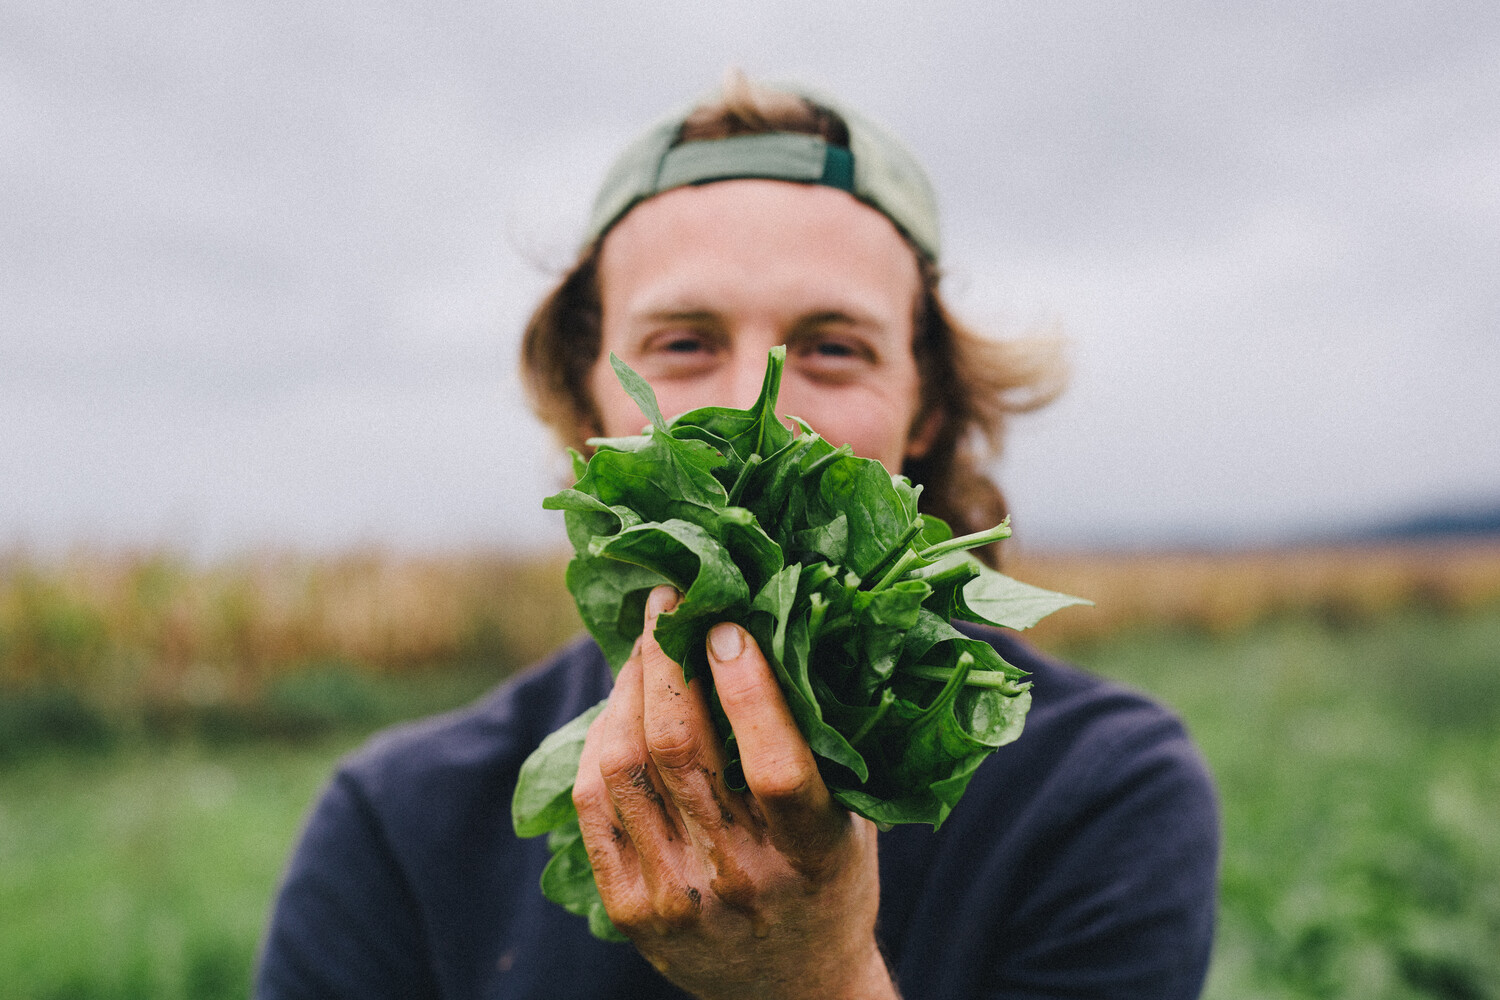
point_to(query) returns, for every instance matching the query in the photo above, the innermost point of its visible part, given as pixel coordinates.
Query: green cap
(876, 168)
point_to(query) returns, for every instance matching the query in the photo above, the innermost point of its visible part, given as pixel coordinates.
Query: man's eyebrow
(677, 314)
(852, 319)
(826, 316)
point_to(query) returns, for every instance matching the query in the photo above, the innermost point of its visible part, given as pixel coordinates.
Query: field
(163, 728)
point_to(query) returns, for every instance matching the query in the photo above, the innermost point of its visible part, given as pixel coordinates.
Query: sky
(263, 267)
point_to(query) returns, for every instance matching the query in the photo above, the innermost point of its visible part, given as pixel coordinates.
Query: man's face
(699, 283)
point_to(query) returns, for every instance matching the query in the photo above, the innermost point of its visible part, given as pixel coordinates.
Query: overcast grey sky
(263, 266)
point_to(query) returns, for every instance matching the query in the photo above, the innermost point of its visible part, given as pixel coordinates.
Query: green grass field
(145, 872)
(1360, 776)
(1359, 768)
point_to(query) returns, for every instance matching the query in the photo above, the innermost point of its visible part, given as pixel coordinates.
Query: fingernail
(726, 641)
(661, 600)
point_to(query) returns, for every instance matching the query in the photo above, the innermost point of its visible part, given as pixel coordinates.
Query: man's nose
(748, 376)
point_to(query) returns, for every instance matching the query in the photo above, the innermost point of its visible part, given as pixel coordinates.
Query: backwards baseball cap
(876, 168)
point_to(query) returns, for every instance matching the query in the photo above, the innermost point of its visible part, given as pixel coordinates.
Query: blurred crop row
(98, 643)
(1226, 592)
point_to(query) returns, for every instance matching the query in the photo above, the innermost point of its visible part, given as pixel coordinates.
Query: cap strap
(782, 156)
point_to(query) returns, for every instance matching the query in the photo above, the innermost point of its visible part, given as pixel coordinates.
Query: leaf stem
(955, 681)
(982, 678)
(971, 541)
(901, 543)
(817, 608)
(876, 716)
(818, 464)
(908, 559)
(739, 482)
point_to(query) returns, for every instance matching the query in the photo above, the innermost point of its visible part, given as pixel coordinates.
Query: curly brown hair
(971, 382)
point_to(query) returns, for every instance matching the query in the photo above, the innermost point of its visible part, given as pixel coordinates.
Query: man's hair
(972, 383)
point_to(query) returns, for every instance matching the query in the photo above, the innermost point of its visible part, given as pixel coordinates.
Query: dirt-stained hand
(768, 893)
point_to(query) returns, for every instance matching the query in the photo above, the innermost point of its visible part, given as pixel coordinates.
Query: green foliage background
(1358, 762)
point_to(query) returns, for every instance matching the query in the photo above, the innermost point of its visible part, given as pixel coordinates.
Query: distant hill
(1452, 523)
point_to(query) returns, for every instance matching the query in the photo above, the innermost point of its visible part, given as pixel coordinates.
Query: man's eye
(834, 349)
(679, 353)
(678, 342)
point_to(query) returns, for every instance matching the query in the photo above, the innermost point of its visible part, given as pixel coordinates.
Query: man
(1082, 859)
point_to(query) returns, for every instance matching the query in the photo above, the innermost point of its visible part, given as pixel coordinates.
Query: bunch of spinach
(824, 559)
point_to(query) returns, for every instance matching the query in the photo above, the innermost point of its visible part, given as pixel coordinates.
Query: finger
(780, 771)
(649, 820)
(625, 766)
(611, 854)
(681, 739)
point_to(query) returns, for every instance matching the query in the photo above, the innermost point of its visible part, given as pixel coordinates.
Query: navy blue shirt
(1082, 861)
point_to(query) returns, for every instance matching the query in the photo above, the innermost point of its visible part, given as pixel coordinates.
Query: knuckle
(783, 783)
(734, 887)
(588, 796)
(621, 764)
(674, 747)
(630, 913)
(677, 906)
(816, 862)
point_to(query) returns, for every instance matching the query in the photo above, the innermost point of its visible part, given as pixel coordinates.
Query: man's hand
(770, 893)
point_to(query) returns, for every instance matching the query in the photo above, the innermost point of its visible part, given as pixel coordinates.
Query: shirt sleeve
(345, 923)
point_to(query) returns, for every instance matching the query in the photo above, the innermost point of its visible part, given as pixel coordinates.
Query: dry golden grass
(153, 628)
(1225, 592)
(166, 630)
